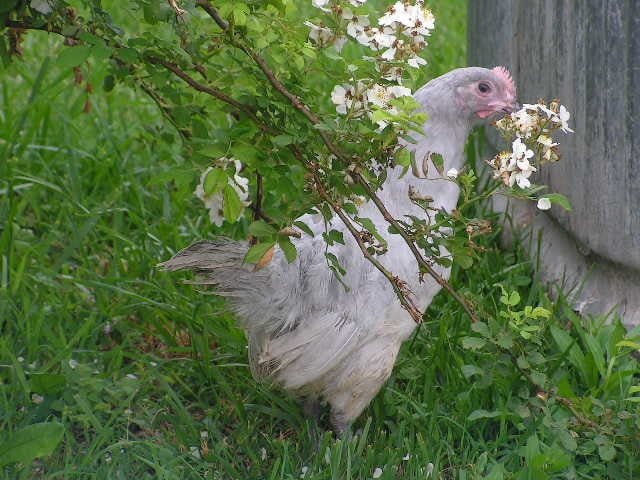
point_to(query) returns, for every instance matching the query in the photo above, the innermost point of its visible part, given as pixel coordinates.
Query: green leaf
(463, 259)
(73, 56)
(371, 228)
(438, 162)
(287, 247)
(403, 157)
(257, 251)
(505, 340)
(606, 450)
(260, 228)
(470, 370)
(33, 441)
(567, 440)
(539, 378)
(240, 13)
(561, 200)
(482, 328)
(215, 181)
(567, 344)
(473, 343)
(47, 383)
(333, 236)
(304, 227)
(478, 414)
(540, 312)
(211, 150)
(510, 299)
(232, 206)
(108, 83)
(282, 140)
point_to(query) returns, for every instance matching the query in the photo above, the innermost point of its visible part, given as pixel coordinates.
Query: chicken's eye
(484, 87)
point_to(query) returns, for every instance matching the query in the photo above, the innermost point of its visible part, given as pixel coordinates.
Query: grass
(149, 377)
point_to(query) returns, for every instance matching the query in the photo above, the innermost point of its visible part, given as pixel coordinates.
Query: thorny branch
(398, 285)
(315, 120)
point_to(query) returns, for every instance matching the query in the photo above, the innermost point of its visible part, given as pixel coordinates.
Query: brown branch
(412, 246)
(213, 13)
(184, 133)
(46, 27)
(399, 286)
(214, 92)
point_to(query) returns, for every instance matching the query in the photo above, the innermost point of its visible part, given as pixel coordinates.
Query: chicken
(309, 334)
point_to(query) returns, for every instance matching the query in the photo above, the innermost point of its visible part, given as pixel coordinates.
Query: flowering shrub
(294, 108)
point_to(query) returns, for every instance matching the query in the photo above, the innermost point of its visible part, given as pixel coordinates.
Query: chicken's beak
(513, 107)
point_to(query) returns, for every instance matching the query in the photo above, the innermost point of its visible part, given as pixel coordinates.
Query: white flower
(263, 454)
(520, 150)
(524, 122)
(406, 457)
(215, 202)
(564, 119)
(521, 178)
(320, 4)
(342, 96)
(414, 19)
(546, 141)
(339, 42)
(383, 38)
(452, 173)
(304, 471)
(356, 24)
(398, 91)
(357, 3)
(378, 95)
(544, 203)
(349, 98)
(389, 54)
(377, 473)
(37, 399)
(73, 364)
(320, 35)
(131, 376)
(416, 61)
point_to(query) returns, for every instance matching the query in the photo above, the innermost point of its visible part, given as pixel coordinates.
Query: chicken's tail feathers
(206, 256)
(220, 263)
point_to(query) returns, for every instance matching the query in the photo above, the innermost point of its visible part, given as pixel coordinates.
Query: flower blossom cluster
(214, 201)
(399, 36)
(359, 98)
(531, 128)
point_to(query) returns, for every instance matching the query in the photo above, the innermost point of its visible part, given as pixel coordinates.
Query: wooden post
(587, 53)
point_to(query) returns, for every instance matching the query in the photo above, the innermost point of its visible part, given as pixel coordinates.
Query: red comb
(505, 76)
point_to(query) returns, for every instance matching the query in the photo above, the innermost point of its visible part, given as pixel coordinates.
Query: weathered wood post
(587, 53)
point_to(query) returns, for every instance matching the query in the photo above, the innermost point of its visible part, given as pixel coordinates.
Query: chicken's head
(481, 93)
